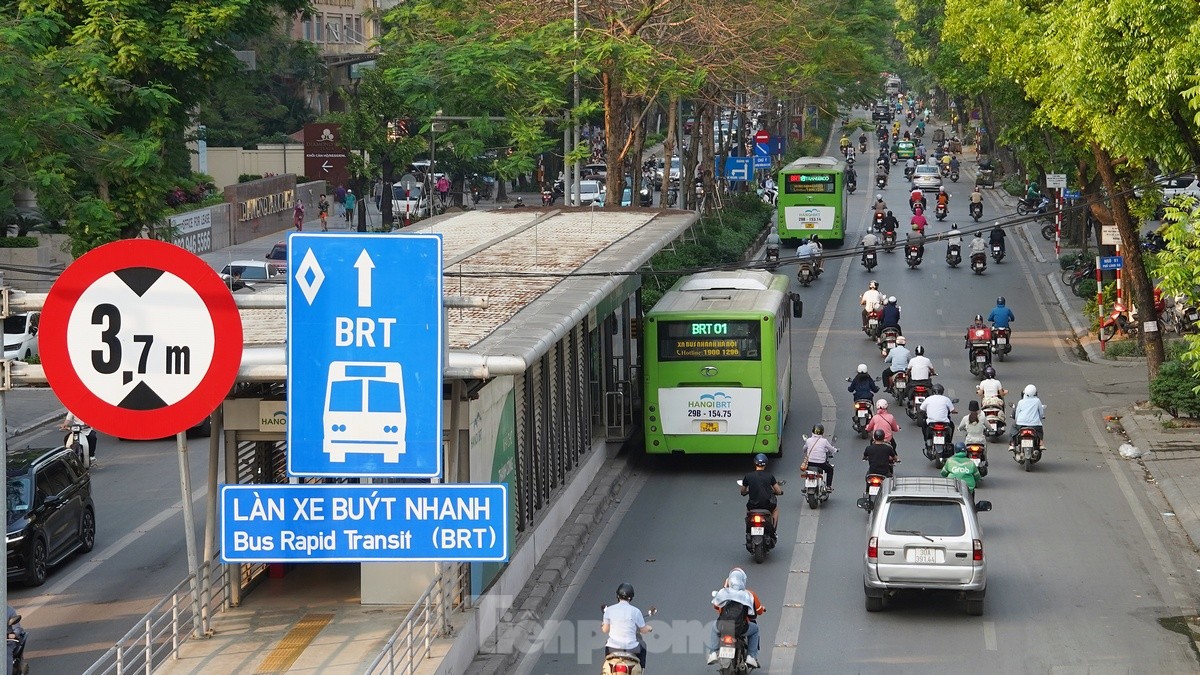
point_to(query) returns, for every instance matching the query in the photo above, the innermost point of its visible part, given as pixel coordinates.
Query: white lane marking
(989, 635)
(567, 600)
(94, 560)
(783, 649)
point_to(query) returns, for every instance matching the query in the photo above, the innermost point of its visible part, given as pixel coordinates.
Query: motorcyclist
(871, 300)
(624, 624)
(862, 139)
(816, 243)
(1001, 316)
(883, 422)
(960, 467)
(954, 237)
(919, 221)
(735, 603)
(773, 242)
(890, 223)
(869, 241)
(819, 452)
(844, 143)
(937, 408)
(943, 198)
(978, 245)
(991, 392)
(808, 252)
(896, 361)
(916, 198)
(977, 324)
(86, 432)
(977, 198)
(954, 165)
(761, 489)
(910, 166)
(881, 171)
(880, 205)
(851, 175)
(915, 239)
(880, 455)
(862, 385)
(1032, 194)
(1029, 413)
(920, 368)
(972, 425)
(889, 316)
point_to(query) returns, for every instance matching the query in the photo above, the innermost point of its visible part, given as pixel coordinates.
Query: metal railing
(428, 620)
(158, 635)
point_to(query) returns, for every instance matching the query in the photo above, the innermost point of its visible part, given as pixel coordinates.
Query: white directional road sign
(140, 339)
(365, 355)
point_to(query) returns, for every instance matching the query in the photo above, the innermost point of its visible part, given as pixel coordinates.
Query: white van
(20, 335)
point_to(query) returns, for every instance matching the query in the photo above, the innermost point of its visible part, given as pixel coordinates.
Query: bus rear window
(708, 340)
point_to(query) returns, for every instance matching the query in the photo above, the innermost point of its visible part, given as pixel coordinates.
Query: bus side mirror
(797, 306)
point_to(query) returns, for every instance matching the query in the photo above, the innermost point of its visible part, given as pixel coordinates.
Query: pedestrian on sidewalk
(323, 212)
(351, 201)
(339, 198)
(298, 215)
(378, 194)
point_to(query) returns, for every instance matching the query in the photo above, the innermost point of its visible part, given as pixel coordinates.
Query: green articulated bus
(718, 364)
(812, 200)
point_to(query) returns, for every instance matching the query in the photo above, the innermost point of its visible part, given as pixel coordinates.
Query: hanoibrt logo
(809, 216)
(715, 401)
(279, 419)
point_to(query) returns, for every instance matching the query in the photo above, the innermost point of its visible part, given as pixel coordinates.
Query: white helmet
(1030, 390)
(862, 368)
(891, 299)
(901, 340)
(879, 197)
(881, 404)
(874, 285)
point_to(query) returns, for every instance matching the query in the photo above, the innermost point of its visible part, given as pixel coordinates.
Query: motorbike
(953, 255)
(979, 350)
(919, 392)
(770, 195)
(953, 175)
(862, 145)
(17, 636)
(887, 339)
(880, 181)
(977, 453)
(997, 253)
(976, 209)
(851, 185)
(673, 193)
(978, 262)
(1001, 341)
(889, 241)
(862, 414)
(869, 260)
(805, 274)
(872, 328)
(944, 169)
(772, 257)
(622, 662)
(815, 489)
(547, 197)
(871, 491)
(895, 158)
(912, 205)
(80, 443)
(1027, 451)
(909, 171)
(877, 222)
(1039, 205)
(732, 650)
(1118, 321)
(993, 418)
(940, 211)
(899, 385)
(645, 196)
(937, 448)
(912, 255)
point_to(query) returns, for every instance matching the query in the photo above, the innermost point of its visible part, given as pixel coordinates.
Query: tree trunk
(1134, 269)
(614, 116)
(668, 150)
(687, 174)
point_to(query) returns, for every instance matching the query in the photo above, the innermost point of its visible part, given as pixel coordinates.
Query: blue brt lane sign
(364, 523)
(366, 350)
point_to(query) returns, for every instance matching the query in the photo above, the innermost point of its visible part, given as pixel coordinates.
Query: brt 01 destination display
(708, 339)
(807, 183)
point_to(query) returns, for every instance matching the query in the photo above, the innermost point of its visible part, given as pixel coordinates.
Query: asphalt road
(1081, 566)
(90, 601)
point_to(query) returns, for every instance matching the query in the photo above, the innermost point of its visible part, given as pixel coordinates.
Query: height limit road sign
(140, 339)
(365, 355)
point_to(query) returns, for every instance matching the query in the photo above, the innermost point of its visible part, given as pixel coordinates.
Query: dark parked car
(50, 511)
(278, 256)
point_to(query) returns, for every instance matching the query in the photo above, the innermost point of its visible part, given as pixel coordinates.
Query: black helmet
(939, 389)
(818, 429)
(625, 592)
(989, 372)
(978, 318)
(878, 434)
(920, 350)
(1000, 301)
(760, 460)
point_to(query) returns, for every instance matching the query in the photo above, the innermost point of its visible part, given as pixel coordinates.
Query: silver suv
(924, 535)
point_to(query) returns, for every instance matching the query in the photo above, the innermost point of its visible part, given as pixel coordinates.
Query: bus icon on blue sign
(364, 410)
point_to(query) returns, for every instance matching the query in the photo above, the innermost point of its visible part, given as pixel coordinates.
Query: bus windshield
(708, 339)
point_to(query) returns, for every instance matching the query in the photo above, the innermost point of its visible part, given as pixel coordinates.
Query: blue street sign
(1111, 262)
(1070, 194)
(737, 168)
(762, 162)
(762, 149)
(365, 355)
(364, 523)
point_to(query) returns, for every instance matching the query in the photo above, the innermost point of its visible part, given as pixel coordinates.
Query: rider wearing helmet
(1030, 412)
(816, 242)
(895, 361)
(880, 455)
(1001, 315)
(920, 368)
(883, 422)
(890, 223)
(880, 205)
(871, 301)
(819, 452)
(624, 624)
(991, 392)
(976, 196)
(954, 237)
(960, 467)
(938, 408)
(977, 331)
(996, 236)
(943, 197)
(862, 385)
(889, 316)
(761, 489)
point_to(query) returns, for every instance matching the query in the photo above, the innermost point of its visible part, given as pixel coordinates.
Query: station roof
(504, 254)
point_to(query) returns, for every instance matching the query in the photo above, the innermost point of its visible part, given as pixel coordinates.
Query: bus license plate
(710, 427)
(922, 555)
(755, 531)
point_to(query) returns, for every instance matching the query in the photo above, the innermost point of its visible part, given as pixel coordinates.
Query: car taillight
(873, 548)
(978, 546)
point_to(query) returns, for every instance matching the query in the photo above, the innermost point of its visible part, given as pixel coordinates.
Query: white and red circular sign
(140, 339)
(762, 137)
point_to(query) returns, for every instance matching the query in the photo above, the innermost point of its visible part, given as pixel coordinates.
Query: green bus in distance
(812, 200)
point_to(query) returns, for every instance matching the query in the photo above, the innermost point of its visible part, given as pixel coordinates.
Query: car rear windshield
(246, 272)
(930, 517)
(279, 252)
(14, 324)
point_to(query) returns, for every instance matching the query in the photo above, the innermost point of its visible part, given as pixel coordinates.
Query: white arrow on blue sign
(364, 523)
(366, 350)
(737, 168)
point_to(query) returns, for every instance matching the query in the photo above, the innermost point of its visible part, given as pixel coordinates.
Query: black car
(882, 112)
(50, 511)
